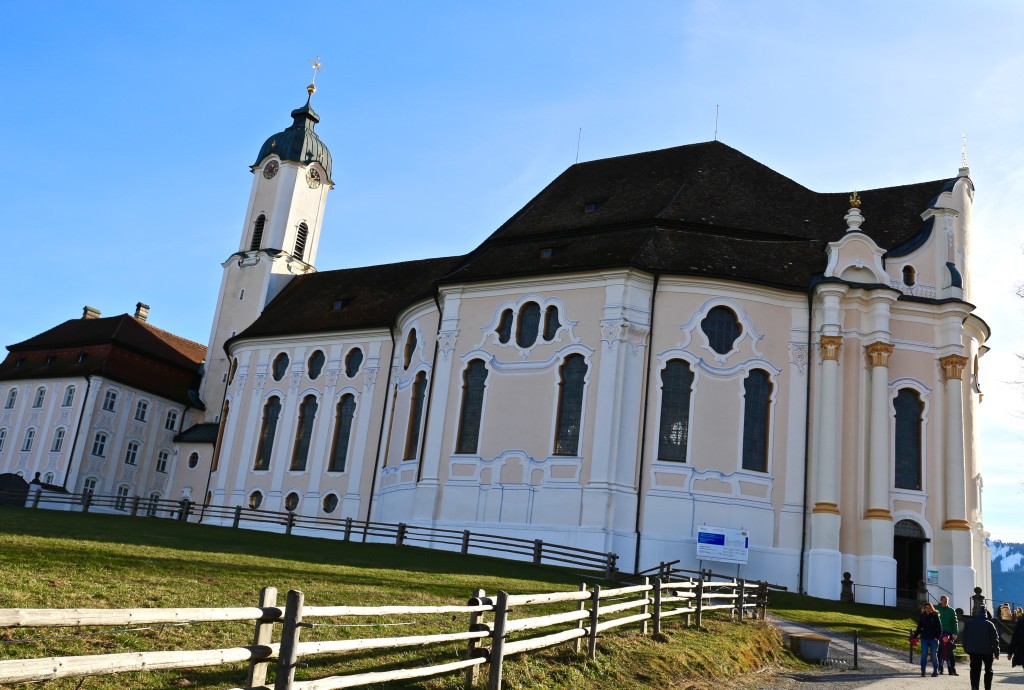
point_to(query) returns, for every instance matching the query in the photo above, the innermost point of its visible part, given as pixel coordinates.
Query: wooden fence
(492, 634)
(348, 529)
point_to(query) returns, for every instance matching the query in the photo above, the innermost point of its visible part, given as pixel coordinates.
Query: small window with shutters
(301, 235)
(257, 233)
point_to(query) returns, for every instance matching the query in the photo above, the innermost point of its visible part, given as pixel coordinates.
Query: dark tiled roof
(118, 347)
(298, 142)
(198, 433)
(371, 297)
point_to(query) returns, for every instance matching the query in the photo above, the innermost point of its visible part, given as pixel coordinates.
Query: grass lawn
(52, 559)
(889, 627)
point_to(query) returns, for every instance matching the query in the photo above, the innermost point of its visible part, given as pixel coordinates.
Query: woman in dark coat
(929, 629)
(1016, 654)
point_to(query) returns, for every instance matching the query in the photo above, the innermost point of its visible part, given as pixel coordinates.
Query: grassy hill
(64, 560)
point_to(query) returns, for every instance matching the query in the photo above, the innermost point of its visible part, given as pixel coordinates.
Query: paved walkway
(880, 669)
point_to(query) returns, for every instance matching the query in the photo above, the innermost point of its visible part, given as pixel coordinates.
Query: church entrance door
(908, 550)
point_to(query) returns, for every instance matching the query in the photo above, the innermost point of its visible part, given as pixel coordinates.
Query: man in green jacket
(947, 616)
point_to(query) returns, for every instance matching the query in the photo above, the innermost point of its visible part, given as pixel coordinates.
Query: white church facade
(654, 343)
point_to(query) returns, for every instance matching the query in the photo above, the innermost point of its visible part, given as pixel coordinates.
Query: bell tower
(291, 178)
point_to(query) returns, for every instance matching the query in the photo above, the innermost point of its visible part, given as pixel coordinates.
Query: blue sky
(129, 129)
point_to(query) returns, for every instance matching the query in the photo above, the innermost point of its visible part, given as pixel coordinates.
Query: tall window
(505, 326)
(301, 235)
(69, 396)
(141, 411)
(909, 413)
(161, 461)
(110, 401)
(99, 445)
(30, 438)
(271, 411)
(551, 322)
(353, 360)
(412, 438)
(131, 455)
(570, 405)
(89, 487)
(215, 462)
(154, 499)
(58, 440)
(473, 380)
(171, 423)
(40, 396)
(757, 393)
(410, 348)
(257, 233)
(315, 364)
(676, 388)
(3, 439)
(722, 329)
(12, 397)
(280, 366)
(342, 433)
(304, 432)
(122, 497)
(529, 322)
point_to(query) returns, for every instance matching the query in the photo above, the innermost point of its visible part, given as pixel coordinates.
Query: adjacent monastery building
(653, 343)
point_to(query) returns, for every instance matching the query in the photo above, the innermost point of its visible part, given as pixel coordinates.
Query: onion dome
(299, 142)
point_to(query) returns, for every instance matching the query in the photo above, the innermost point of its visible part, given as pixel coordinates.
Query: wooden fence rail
(593, 611)
(349, 529)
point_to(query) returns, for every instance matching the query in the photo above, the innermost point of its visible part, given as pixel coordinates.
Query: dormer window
(300, 242)
(590, 207)
(257, 233)
(909, 276)
(338, 304)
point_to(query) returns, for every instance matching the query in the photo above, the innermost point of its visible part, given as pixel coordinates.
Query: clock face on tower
(313, 178)
(271, 169)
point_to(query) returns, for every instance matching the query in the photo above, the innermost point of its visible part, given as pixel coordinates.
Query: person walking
(981, 642)
(929, 629)
(950, 630)
(1016, 651)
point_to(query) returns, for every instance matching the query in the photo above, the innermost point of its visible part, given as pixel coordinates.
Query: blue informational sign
(723, 544)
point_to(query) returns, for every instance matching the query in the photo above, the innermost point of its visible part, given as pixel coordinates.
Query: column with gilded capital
(954, 555)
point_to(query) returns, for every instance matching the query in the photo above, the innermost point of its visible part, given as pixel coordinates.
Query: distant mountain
(1007, 573)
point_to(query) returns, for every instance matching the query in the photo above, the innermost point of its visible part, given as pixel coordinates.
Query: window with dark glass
(342, 432)
(122, 497)
(271, 411)
(257, 233)
(291, 501)
(473, 380)
(527, 325)
(330, 503)
(909, 275)
(69, 396)
(255, 500)
(410, 348)
(674, 433)
(280, 366)
(301, 235)
(551, 323)
(315, 364)
(412, 438)
(30, 437)
(193, 460)
(505, 326)
(131, 455)
(141, 411)
(12, 397)
(40, 396)
(110, 401)
(99, 445)
(570, 405)
(353, 360)
(58, 440)
(722, 329)
(757, 393)
(304, 432)
(909, 414)
(223, 419)
(161, 461)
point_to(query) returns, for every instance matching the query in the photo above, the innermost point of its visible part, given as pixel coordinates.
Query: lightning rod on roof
(578, 137)
(963, 150)
(716, 122)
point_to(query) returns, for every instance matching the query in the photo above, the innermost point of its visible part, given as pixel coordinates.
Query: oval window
(280, 367)
(255, 500)
(291, 502)
(315, 364)
(193, 460)
(330, 503)
(529, 322)
(909, 276)
(353, 361)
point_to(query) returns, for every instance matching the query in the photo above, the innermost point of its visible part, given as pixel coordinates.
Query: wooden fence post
(86, 502)
(263, 636)
(290, 523)
(609, 567)
(348, 528)
(595, 603)
(400, 534)
(135, 506)
(764, 599)
(288, 655)
(739, 600)
(35, 497)
(475, 618)
(578, 644)
(465, 542)
(657, 606)
(497, 655)
(238, 517)
(644, 608)
(538, 551)
(700, 598)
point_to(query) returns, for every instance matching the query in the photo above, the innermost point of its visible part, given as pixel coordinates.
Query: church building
(654, 343)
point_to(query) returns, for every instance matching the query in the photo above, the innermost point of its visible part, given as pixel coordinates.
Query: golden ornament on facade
(878, 354)
(855, 200)
(830, 345)
(953, 367)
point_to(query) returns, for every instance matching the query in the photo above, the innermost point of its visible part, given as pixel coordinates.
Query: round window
(193, 460)
(291, 502)
(255, 500)
(330, 503)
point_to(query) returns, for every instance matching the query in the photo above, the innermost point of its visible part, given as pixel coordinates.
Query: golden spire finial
(854, 200)
(317, 67)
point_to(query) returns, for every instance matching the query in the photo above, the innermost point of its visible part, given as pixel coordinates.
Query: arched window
(342, 433)
(280, 366)
(40, 396)
(257, 232)
(141, 411)
(224, 410)
(909, 414)
(171, 422)
(48, 478)
(410, 348)
(89, 487)
(570, 405)
(505, 326)
(99, 445)
(529, 322)
(110, 401)
(315, 364)
(473, 380)
(291, 501)
(58, 440)
(271, 411)
(909, 275)
(301, 235)
(161, 461)
(551, 323)
(131, 456)
(3, 439)
(330, 503)
(255, 500)
(412, 437)
(122, 497)
(676, 388)
(722, 329)
(303, 433)
(353, 360)
(30, 438)
(757, 394)
(69, 396)
(12, 397)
